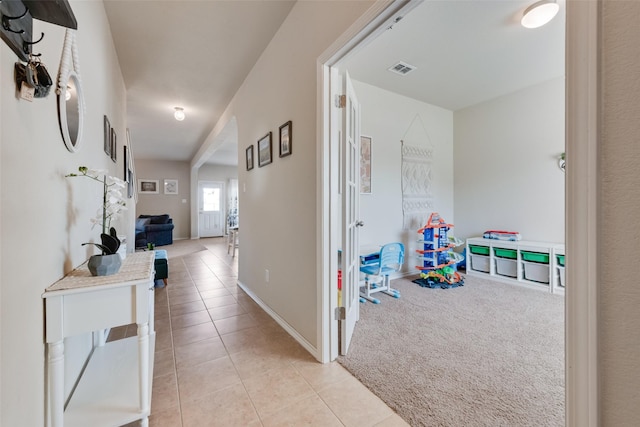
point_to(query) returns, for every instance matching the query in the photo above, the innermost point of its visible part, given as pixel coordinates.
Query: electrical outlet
(266, 276)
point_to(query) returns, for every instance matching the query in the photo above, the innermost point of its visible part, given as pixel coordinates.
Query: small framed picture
(249, 155)
(264, 150)
(148, 186)
(170, 186)
(285, 139)
(125, 161)
(365, 165)
(130, 184)
(114, 146)
(107, 136)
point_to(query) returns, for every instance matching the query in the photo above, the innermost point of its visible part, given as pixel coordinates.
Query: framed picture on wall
(264, 150)
(132, 167)
(365, 165)
(148, 186)
(114, 146)
(107, 136)
(125, 158)
(130, 192)
(170, 186)
(249, 155)
(285, 139)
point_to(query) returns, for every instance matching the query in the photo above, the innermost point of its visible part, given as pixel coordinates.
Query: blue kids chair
(376, 277)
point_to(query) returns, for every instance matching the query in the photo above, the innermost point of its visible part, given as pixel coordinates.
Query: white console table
(115, 387)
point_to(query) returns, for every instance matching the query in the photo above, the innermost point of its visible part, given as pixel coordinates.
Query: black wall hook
(26, 45)
(17, 21)
(6, 21)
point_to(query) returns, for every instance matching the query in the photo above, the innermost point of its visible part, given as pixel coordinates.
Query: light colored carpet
(484, 354)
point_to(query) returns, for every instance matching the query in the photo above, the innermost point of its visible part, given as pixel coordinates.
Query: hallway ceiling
(190, 54)
(196, 54)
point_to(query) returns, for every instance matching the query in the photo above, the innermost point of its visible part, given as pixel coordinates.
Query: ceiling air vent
(402, 68)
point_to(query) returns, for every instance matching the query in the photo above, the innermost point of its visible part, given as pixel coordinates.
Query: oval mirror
(70, 99)
(70, 111)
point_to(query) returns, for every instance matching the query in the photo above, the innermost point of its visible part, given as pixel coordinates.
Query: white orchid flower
(112, 180)
(112, 196)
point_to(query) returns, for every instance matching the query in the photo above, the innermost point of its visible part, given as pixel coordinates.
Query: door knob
(359, 223)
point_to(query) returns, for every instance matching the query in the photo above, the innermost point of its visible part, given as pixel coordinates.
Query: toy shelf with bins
(532, 264)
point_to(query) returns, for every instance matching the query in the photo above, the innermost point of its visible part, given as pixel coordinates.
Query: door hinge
(341, 101)
(341, 313)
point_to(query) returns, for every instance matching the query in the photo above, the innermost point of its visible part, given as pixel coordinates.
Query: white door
(350, 214)
(211, 209)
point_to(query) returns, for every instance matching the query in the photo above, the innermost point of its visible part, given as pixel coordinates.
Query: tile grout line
(173, 348)
(226, 349)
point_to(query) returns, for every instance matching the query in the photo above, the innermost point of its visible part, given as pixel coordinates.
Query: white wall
(389, 118)
(176, 205)
(44, 216)
(618, 225)
(506, 169)
(279, 209)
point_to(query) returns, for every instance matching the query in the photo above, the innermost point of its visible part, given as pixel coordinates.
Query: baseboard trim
(287, 327)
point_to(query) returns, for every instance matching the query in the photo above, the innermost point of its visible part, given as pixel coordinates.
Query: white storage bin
(506, 267)
(480, 262)
(561, 275)
(536, 271)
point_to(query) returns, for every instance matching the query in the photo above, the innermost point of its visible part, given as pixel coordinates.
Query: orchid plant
(113, 203)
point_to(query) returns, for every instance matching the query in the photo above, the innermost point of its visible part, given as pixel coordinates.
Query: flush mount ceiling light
(179, 114)
(540, 13)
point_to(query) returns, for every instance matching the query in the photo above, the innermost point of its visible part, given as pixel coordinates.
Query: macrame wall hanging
(417, 156)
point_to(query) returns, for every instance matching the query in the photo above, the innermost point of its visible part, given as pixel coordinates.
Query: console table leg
(143, 364)
(56, 383)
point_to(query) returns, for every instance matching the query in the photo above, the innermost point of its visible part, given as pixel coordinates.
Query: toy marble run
(437, 256)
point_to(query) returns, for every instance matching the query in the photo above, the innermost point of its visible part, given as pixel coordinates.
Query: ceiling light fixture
(179, 114)
(539, 13)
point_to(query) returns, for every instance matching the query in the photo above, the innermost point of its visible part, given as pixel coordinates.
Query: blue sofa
(156, 229)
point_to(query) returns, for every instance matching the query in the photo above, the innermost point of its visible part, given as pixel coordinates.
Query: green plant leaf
(104, 249)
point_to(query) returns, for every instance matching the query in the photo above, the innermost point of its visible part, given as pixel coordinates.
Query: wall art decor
(170, 186)
(249, 155)
(132, 167)
(148, 186)
(114, 145)
(285, 139)
(365, 165)
(128, 175)
(107, 136)
(264, 150)
(417, 197)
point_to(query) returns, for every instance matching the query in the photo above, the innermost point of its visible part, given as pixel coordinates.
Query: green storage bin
(535, 257)
(479, 250)
(506, 253)
(560, 260)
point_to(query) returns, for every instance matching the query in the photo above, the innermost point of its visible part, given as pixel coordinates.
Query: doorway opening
(581, 63)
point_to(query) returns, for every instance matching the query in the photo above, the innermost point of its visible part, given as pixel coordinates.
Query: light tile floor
(220, 360)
